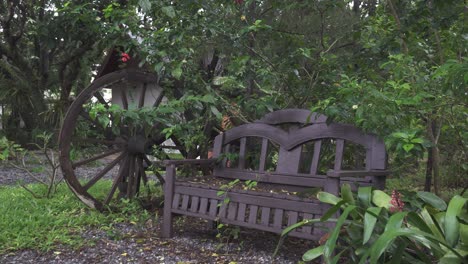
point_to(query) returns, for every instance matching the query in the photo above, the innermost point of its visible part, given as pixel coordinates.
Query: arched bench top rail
(301, 116)
(295, 138)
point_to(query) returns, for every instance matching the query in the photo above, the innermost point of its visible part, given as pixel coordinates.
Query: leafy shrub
(417, 227)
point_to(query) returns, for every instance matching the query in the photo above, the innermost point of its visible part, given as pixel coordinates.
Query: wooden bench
(289, 151)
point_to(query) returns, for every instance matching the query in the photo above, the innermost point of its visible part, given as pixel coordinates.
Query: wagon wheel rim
(127, 152)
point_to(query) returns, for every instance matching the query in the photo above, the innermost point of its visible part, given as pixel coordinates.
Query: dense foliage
(377, 228)
(397, 68)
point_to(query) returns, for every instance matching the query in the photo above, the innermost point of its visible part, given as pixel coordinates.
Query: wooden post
(168, 197)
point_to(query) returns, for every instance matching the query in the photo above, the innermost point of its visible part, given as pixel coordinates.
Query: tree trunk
(433, 130)
(428, 182)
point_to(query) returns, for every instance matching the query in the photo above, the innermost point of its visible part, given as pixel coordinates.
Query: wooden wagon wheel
(123, 152)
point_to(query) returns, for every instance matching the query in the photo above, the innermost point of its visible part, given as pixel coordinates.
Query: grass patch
(43, 224)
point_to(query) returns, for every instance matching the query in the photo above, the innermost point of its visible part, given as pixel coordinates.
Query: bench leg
(166, 231)
(168, 197)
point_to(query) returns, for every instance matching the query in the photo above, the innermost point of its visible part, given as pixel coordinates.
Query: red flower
(124, 57)
(397, 203)
(239, 2)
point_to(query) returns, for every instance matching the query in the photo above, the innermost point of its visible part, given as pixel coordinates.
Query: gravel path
(193, 242)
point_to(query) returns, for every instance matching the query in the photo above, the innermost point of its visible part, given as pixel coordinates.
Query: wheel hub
(139, 145)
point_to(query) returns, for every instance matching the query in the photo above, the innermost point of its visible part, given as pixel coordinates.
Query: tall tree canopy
(394, 67)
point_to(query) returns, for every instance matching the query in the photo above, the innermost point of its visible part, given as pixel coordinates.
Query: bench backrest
(296, 147)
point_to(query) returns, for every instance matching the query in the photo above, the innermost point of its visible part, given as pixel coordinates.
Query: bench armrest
(357, 173)
(189, 162)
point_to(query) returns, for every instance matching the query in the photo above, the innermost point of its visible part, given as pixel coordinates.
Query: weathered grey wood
(222, 210)
(263, 155)
(278, 210)
(314, 236)
(316, 157)
(292, 217)
(339, 154)
(288, 161)
(232, 209)
(276, 201)
(194, 204)
(176, 201)
(185, 201)
(242, 150)
(278, 218)
(213, 207)
(203, 205)
(241, 212)
(265, 218)
(307, 228)
(168, 195)
(302, 180)
(253, 214)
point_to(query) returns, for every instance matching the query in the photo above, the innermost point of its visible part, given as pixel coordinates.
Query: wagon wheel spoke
(101, 99)
(158, 175)
(103, 172)
(97, 157)
(117, 180)
(123, 93)
(159, 99)
(143, 176)
(141, 101)
(131, 176)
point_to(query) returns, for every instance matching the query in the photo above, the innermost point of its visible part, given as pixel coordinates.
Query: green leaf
(364, 196)
(432, 200)
(370, 218)
(408, 147)
(381, 199)
(219, 80)
(452, 226)
(417, 140)
(347, 194)
(330, 245)
(145, 5)
(395, 221)
(332, 211)
(328, 198)
(313, 253)
(417, 221)
(177, 72)
(216, 112)
(169, 11)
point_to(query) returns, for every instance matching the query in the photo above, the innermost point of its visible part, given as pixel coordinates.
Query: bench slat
(316, 157)
(265, 219)
(213, 207)
(263, 154)
(185, 200)
(232, 209)
(203, 206)
(194, 204)
(241, 212)
(288, 161)
(301, 180)
(275, 201)
(222, 210)
(242, 151)
(292, 217)
(307, 228)
(339, 154)
(278, 218)
(253, 214)
(176, 201)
